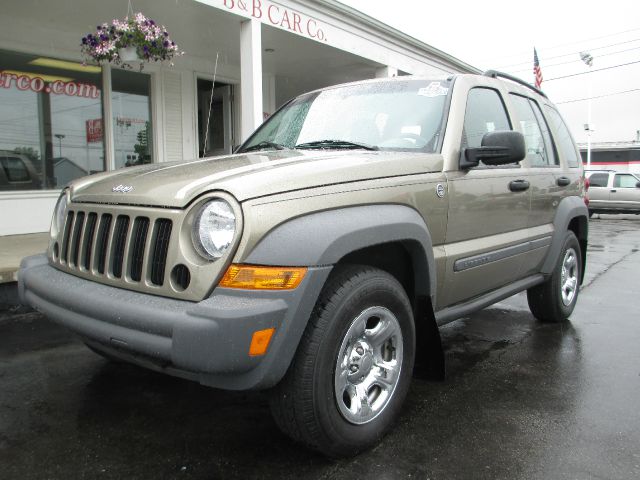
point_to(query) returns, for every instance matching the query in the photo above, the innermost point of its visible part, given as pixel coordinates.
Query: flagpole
(587, 58)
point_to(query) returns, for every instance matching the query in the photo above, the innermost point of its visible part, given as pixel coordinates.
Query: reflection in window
(47, 107)
(536, 134)
(485, 113)
(564, 141)
(131, 118)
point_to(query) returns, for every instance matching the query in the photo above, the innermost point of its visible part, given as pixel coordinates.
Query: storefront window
(131, 118)
(51, 127)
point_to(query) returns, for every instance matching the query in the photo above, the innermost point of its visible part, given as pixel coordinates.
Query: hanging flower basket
(134, 39)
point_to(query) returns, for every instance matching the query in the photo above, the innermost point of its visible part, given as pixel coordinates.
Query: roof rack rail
(496, 74)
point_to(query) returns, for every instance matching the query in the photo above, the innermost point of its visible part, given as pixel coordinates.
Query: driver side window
(484, 113)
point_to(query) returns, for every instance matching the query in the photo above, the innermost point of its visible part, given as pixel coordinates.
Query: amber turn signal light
(260, 342)
(251, 277)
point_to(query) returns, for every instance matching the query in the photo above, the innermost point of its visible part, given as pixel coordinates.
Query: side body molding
(324, 238)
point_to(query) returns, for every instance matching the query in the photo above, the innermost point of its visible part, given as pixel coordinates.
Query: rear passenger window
(14, 169)
(485, 113)
(598, 180)
(535, 131)
(563, 137)
(625, 181)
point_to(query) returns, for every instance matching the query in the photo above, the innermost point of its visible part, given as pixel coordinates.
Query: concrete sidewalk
(14, 248)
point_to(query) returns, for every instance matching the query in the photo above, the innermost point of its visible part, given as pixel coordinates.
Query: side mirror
(498, 148)
(638, 185)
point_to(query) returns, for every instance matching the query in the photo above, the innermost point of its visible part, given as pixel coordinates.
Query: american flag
(537, 72)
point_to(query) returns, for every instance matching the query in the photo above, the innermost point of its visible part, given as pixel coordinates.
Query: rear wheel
(555, 299)
(352, 369)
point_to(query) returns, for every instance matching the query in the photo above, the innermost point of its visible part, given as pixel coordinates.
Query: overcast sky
(497, 34)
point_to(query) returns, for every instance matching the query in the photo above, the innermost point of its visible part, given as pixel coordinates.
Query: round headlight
(59, 212)
(214, 229)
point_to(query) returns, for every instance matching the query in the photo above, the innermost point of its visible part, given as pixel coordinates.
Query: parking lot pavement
(522, 400)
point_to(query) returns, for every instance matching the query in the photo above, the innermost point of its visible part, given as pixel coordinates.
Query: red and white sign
(279, 16)
(94, 130)
(34, 83)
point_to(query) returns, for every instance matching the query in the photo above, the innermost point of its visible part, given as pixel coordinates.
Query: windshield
(404, 115)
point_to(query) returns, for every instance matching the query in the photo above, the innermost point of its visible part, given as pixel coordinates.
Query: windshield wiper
(265, 146)
(336, 144)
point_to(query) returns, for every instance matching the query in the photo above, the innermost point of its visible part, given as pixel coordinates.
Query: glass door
(214, 119)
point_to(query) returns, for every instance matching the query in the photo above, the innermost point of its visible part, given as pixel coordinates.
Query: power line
(554, 47)
(596, 70)
(549, 65)
(574, 53)
(599, 96)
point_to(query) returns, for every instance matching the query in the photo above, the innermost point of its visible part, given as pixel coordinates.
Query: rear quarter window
(563, 138)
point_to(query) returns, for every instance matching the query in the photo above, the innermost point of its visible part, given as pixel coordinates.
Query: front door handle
(563, 181)
(518, 185)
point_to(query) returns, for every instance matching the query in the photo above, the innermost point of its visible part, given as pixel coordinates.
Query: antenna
(213, 85)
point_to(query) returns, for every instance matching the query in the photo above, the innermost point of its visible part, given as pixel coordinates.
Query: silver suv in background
(613, 192)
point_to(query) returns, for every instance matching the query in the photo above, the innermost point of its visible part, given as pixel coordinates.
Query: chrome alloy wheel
(569, 276)
(368, 365)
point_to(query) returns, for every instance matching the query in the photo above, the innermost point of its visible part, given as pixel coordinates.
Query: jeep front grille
(132, 248)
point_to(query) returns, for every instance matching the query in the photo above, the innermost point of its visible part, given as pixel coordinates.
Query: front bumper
(207, 341)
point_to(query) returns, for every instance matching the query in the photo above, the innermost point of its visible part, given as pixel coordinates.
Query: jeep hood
(245, 176)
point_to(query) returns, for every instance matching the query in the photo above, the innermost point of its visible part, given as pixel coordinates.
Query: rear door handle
(518, 185)
(563, 181)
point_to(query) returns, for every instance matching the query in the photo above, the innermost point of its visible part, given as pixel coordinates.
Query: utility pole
(587, 58)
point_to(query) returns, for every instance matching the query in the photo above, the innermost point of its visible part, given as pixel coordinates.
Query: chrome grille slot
(66, 238)
(87, 245)
(119, 242)
(160, 249)
(140, 229)
(75, 239)
(103, 242)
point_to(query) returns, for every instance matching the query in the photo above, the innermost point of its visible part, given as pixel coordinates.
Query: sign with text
(94, 130)
(279, 16)
(35, 83)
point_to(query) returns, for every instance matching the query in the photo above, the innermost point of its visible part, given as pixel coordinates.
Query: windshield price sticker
(433, 90)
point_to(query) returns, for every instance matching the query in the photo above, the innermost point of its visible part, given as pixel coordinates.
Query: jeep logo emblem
(122, 189)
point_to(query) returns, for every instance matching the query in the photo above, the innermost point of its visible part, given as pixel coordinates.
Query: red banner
(94, 130)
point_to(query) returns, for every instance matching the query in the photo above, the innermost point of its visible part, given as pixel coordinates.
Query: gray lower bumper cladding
(207, 341)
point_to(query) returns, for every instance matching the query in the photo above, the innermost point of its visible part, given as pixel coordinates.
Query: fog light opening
(180, 277)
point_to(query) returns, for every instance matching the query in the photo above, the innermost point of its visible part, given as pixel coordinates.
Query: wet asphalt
(522, 400)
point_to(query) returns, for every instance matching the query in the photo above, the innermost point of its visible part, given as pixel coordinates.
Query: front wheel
(351, 372)
(555, 299)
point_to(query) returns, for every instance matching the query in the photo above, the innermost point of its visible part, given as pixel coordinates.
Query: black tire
(555, 299)
(306, 404)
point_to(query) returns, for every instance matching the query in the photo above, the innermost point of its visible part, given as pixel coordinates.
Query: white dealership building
(60, 120)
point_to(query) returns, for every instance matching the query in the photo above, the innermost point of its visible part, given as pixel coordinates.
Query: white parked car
(613, 192)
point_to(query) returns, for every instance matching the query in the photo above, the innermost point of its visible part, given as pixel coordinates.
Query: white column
(250, 77)
(107, 124)
(385, 72)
